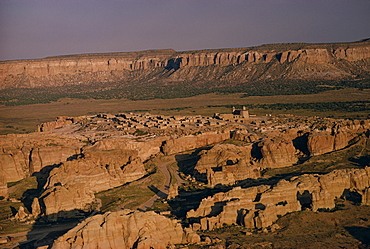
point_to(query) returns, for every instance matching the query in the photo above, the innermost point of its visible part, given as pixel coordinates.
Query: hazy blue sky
(40, 28)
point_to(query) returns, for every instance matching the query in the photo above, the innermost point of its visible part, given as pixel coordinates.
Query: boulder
(21, 215)
(35, 207)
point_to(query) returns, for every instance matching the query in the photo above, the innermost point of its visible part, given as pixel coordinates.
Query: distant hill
(293, 68)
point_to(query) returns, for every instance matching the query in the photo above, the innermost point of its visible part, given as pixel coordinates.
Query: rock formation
(126, 229)
(85, 160)
(3, 187)
(21, 215)
(66, 201)
(35, 207)
(59, 123)
(72, 185)
(174, 145)
(226, 164)
(22, 155)
(275, 152)
(260, 206)
(269, 62)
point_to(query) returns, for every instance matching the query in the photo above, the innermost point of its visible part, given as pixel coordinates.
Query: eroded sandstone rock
(126, 229)
(72, 185)
(59, 123)
(66, 201)
(3, 187)
(226, 164)
(179, 144)
(259, 207)
(23, 155)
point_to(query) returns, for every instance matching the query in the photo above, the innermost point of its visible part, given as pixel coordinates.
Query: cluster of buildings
(130, 123)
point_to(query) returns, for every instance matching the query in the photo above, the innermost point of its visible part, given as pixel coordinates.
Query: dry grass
(133, 194)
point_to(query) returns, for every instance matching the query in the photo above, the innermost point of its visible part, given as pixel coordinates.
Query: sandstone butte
(89, 154)
(341, 61)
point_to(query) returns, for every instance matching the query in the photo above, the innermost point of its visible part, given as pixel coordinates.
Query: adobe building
(235, 114)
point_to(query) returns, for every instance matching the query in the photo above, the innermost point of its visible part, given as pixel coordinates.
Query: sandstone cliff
(209, 69)
(126, 229)
(22, 155)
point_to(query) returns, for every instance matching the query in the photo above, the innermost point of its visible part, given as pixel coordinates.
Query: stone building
(235, 114)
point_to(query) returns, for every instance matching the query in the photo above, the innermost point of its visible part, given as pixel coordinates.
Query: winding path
(163, 190)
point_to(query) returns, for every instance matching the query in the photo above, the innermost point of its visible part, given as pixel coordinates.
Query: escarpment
(228, 67)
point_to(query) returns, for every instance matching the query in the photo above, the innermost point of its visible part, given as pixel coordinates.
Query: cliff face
(268, 62)
(23, 155)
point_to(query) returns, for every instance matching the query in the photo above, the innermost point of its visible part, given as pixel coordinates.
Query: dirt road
(163, 190)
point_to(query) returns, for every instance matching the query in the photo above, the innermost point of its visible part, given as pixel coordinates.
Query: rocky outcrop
(290, 61)
(22, 155)
(174, 145)
(99, 170)
(57, 71)
(279, 147)
(145, 148)
(59, 123)
(66, 201)
(126, 229)
(351, 54)
(21, 215)
(260, 206)
(275, 152)
(72, 185)
(321, 142)
(3, 187)
(366, 197)
(226, 164)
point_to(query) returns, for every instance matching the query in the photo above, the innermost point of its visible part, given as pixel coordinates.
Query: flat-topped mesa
(116, 67)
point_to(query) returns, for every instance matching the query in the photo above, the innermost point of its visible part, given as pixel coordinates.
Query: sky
(40, 28)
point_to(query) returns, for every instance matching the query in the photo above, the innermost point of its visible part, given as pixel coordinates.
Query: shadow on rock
(41, 177)
(158, 192)
(360, 233)
(48, 228)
